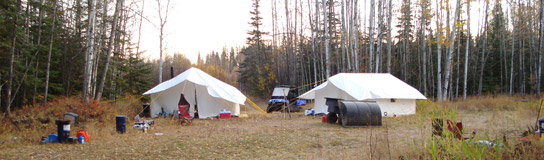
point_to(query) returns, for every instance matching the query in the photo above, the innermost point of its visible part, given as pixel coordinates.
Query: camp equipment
(120, 124)
(72, 140)
(83, 133)
(224, 114)
(72, 117)
(392, 95)
(541, 122)
(81, 140)
(353, 113)
(184, 112)
(211, 95)
(309, 112)
(63, 130)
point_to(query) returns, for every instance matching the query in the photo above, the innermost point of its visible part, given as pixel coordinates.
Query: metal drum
(353, 114)
(120, 124)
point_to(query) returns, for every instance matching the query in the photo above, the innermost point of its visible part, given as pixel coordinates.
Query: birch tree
(371, 36)
(113, 34)
(327, 58)
(89, 54)
(467, 52)
(484, 54)
(438, 52)
(49, 52)
(449, 59)
(389, 18)
(7, 90)
(540, 39)
(163, 12)
(380, 26)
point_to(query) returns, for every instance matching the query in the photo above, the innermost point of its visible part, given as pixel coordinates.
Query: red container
(184, 115)
(224, 115)
(324, 119)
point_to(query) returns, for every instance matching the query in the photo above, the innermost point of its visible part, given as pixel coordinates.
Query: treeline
(432, 49)
(49, 48)
(222, 66)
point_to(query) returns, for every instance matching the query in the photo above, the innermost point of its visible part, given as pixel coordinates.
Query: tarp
(392, 94)
(208, 93)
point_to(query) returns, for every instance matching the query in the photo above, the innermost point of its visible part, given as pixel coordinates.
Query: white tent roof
(215, 87)
(363, 86)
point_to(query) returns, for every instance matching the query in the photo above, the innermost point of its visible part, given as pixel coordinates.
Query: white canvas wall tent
(392, 95)
(209, 94)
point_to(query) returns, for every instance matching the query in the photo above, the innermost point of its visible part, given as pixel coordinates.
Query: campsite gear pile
(63, 133)
(353, 113)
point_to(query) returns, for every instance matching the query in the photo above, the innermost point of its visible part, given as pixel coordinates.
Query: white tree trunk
(449, 59)
(371, 35)
(438, 54)
(539, 76)
(512, 49)
(389, 37)
(49, 52)
(379, 47)
(467, 52)
(89, 54)
(113, 34)
(327, 60)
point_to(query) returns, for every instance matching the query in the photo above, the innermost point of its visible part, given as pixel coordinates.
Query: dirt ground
(275, 136)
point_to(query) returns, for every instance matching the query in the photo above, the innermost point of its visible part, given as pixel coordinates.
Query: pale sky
(204, 25)
(198, 25)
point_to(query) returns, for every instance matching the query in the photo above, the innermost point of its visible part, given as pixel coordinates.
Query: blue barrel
(121, 124)
(63, 130)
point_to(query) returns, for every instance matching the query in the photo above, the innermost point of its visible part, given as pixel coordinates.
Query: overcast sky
(197, 25)
(204, 25)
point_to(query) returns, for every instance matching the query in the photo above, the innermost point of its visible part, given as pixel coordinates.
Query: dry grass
(280, 137)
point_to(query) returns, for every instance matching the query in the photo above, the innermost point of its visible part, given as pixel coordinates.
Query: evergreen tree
(255, 71)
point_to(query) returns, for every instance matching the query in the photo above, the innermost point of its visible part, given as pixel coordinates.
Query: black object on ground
(121, 124)
(438, 127)
(354, 113)
(147, 111)
(332, 117)
(63, 130)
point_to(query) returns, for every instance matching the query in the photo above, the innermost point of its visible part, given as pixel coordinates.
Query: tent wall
(399, 107)
(329, 91)
(208, 106)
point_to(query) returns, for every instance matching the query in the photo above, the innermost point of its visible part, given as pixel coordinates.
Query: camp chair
(184, 116)
(457, 130)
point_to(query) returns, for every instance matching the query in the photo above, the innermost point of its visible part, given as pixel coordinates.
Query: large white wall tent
(208, 93)
(392, 95)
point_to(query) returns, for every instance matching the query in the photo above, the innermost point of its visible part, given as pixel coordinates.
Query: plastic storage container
(72, 117)
(121, 124)
(224, 114)
(63, 130)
